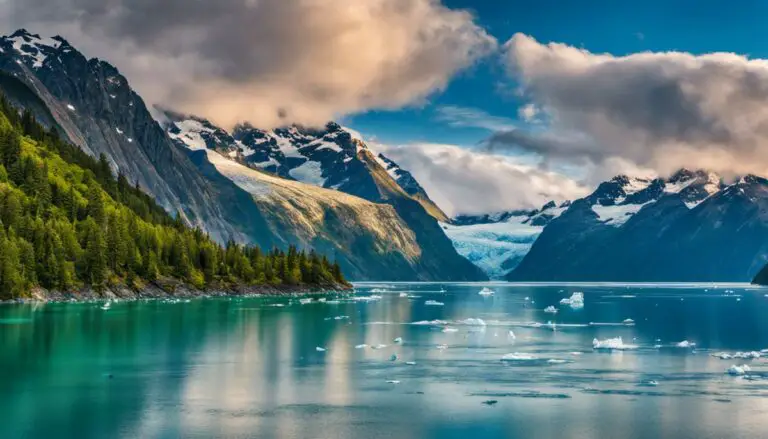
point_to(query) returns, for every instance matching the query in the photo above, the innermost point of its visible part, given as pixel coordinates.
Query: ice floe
(361, 346)
(450, 330)
(319, 349)
(685, 344)
(751, 355)
(442, 347)
(305, 301)
(486, 292)
(576, 301)
(473, 322)
(433, 303)
(628, 322)
(517, 356)
(372, 298)
(379, 346)
(738, 370)
(612, 344)
(410, 363)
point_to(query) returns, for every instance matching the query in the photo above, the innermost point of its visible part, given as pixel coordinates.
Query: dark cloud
(234, 60)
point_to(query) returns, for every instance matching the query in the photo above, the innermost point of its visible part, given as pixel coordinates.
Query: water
(245, 368)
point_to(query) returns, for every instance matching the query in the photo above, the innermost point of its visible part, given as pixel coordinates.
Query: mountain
(498, 242)
(93, 106)
(690, 227)
(327, 157)
(337, 164)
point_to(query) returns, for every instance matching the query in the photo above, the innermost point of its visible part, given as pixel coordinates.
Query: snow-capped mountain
(498, 242)
(328, 157)
(93, 106)
(690, 227)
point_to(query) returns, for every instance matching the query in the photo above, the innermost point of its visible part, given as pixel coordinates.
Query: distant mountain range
(336, 196)
(690, 227)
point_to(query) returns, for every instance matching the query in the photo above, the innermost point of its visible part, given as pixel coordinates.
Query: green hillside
(67, 223)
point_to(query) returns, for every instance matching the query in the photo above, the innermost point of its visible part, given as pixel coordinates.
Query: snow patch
(617, 215)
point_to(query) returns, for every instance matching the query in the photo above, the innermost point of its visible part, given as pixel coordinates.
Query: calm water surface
(251, 368)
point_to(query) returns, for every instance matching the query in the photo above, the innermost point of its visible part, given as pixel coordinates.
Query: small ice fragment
(556, 361)
(486, 292)
(576, 301)
(398, 340)
(379, 346)
(433, 303)
(403, 294)
(450, 330)
(575, 353)
(410, 363)
(319, 349)
(393, 382)
(527, 299)
(70, 107)
(685, 344)
(651, 383)
(393, 357)
(322, 300)
(628, 322)
(473, 322)
(550, 309)
(738, 370)
(305, 301)
(361, 346)
(612, 344)
(442, 346)
(517, 356)
(512, 335)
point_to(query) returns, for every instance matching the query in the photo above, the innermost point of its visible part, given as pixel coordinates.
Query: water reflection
(246, 368)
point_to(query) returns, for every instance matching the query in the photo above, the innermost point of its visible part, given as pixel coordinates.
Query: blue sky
(616, 27)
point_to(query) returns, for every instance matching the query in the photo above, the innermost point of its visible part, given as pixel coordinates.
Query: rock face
(327, 157)
(690, 227)
(392, 236)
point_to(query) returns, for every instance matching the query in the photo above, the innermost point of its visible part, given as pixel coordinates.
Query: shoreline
(156, 292)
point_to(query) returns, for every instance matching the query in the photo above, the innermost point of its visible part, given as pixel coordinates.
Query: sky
(492, 105)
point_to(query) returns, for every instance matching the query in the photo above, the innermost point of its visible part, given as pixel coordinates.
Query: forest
(67, 222)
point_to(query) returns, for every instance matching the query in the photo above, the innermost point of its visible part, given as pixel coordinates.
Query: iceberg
(433, 303)
(512, 335)
(738, 370)
(576, 301)
(550, 309)
(612, 344)
(628, 322)
(486, 292)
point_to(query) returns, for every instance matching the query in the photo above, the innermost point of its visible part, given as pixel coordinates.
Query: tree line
(66, 222)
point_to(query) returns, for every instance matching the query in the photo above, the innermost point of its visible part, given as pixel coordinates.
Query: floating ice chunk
(576, 301)
(450, 330)
(512, 335)
(442, 347)
(650, 383)
(332, 302)
(575, 353)
(393, 382)
(528, 299)
(305, 301)
(361, 346)
(393, 357)
(738, 370)
(341, 318)
(379, 346)
(378, 290)
(433, 303)
(628, 322)
(751, 355)
(319, 349)
(403, 294)
(550, 309)
(517, 356)
(278, 305)
(322, 300)
(486, 292)
(70, 107)
(556, 361)
(371, 298)
(685, 344)
(430, 323)
(473, 322)
(611, 344)
(398, 340)
(410, 363)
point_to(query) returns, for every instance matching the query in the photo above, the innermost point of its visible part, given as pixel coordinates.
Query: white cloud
(528, 112)
(467, 181)
(658, 111)
(270, 61)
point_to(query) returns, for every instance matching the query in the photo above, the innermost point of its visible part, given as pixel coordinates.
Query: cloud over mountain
(655, 110)
(464, 181)
(269, 61)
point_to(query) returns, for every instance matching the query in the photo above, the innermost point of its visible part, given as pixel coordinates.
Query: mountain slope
(94, 107)
(327, 157)
(687, 228)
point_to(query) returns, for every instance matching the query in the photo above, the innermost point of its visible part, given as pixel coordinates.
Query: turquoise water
(251, 368)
